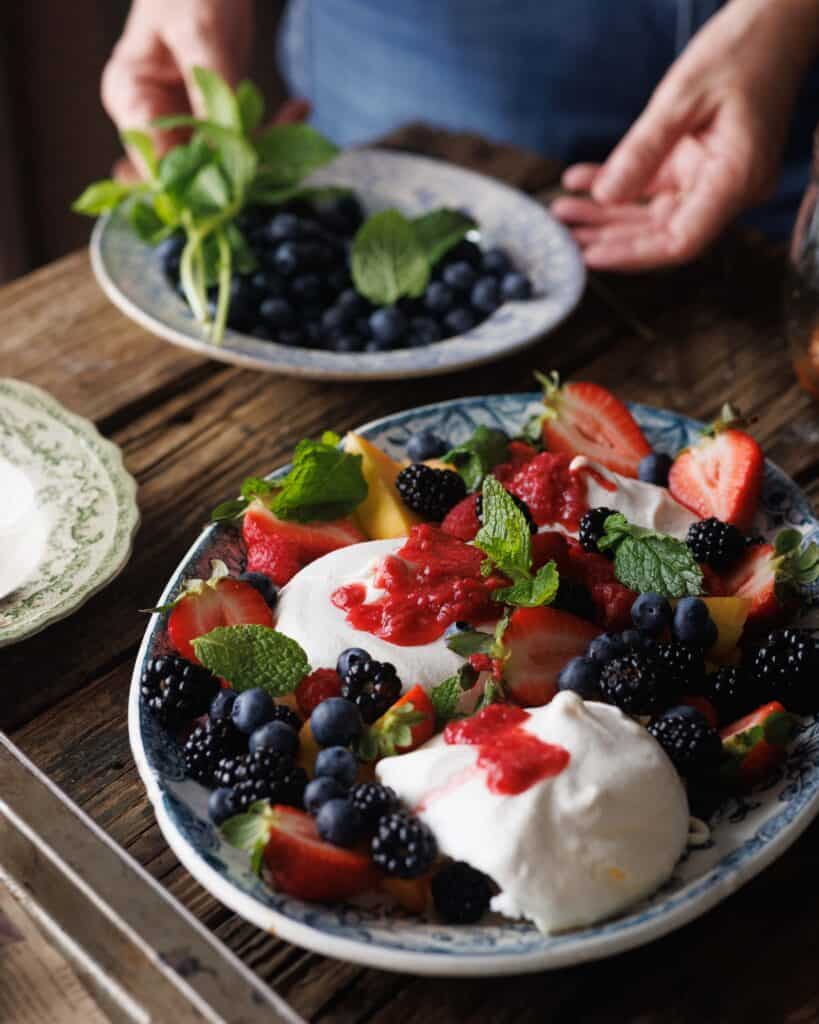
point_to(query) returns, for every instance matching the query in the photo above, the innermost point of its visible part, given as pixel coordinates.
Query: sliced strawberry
(462, 520)
(539, 642)
(720, 475)
(306, 867)
(586, 419)
(319, 686)
(421, 725)
(553, 494)
(279, 547)
(756, 744)
(208, 604)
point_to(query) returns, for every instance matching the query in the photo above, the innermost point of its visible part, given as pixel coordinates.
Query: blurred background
(54, 135)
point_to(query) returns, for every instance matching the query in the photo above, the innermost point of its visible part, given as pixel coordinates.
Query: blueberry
(251, 709)
(346, 343)
(495, 261)
(266, 587)
(306, 288)
(465, 251)
(654, 468)
(685, 711)
(266, 283)
(516, 286)
(291, 336)
(169, 253)
(341, 214)
(485, 296)
(222, 805)
(457, 628)
(459, 321)
(651, 613)
(339, 822)
(337, 763)
(262, 332)
(633, 640)
(424, 331)
(319, 791)
(349, 657)
(692, 623)
(277, 312)
(606, 648)
(283, 227)
(580, 675)
(276, 736)
(335, 318)
(338, 280)
(353, 303)
(460, 276)
(439, 298)
(290, 258)
(388, 325)
(425, 444)
(335, 722)
(222, 705)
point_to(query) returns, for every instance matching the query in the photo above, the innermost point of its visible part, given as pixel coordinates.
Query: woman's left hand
(707, 146)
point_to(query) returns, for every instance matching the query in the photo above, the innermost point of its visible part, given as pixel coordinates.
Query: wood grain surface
(191, 430)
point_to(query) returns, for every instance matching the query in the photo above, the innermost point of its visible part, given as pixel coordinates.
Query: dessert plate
(746, 833)
(76, 531)
(539, 245)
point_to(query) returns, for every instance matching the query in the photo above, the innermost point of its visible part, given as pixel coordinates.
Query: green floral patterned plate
(83, 513)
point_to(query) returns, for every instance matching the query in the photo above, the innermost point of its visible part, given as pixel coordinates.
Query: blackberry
(521, 504)
(731, 692)
(786, 668)
(693, 747)
(460, 893)
(683, 665)
(374, 801)
(717, 544)
(574, 598)
(635, 683)
(282, 713)
(403, 846)
(176, 690)
(263, 775)
(372, 686)
(207, 745)
(430, 492)
(592, 528)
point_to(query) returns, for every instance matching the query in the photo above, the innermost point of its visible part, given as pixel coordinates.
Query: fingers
(573, 210)
(579, 177)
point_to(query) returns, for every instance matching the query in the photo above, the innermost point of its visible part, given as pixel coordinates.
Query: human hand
(708, 144)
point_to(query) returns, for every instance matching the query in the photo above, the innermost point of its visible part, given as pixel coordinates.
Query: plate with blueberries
(497, 273)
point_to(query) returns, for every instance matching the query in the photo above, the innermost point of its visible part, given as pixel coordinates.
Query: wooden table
(191, 430)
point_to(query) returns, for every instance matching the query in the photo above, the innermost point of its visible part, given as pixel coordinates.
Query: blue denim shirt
(563, 77)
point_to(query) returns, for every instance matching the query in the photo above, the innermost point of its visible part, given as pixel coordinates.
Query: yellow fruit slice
(411, 894)
(308, 750)
(729, 615)
(382, 515)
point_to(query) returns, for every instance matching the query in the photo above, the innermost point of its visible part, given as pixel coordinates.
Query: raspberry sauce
(511, 758)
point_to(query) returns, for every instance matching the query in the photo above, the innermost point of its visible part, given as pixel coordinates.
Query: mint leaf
(645, 560)
(504, 537)
(387, 260)
(179, 165)
(446, 696)
(250, 831)
(532, 593)
(144, 145)
(470, 642)
(102, 197)
(325, 482)
(145, 221)
(228, 510)
(249, 656)
(218, 98)
(208, 191)
(477, 456)
(439, 230)
(251, 106)
(289, 152)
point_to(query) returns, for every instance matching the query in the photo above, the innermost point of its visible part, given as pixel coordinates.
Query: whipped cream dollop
(23, 528)
(571, 849)
(643, 504)
(307, 614)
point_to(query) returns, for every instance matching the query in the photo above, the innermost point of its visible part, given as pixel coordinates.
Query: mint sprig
(476, 457)
(250, 656)
(645, 560)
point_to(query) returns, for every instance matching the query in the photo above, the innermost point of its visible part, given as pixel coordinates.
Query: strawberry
(320, 685)
(420, 722)
(538, 643)
(462, 520)
(552, 493)
(770, 575)
(207, 604)
(720, 475)
(306, 867)
(280, 547)
(582, 418)
(518, 453)
(756, 744)
(612, 600)
(551, 546)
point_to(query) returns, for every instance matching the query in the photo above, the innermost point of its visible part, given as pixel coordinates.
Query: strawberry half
(306, 867)
(280, 548)
(420, 722)
(756, 744)
(207, 604)
(539, 642)
(720, 475)
(582, 418)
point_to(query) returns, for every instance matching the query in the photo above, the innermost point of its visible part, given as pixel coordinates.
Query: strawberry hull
(755, 745)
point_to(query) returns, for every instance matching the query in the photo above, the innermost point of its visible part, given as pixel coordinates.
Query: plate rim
(441, 964)
(128, 514)
(204, 349)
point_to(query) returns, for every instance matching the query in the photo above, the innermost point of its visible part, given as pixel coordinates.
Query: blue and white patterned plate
(746, 833)
(537, 242)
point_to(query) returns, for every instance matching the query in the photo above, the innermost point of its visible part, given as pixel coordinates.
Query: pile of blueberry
(302, 293)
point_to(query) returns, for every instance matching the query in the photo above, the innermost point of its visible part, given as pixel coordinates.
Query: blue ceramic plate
(538, 244)
(746, 834)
